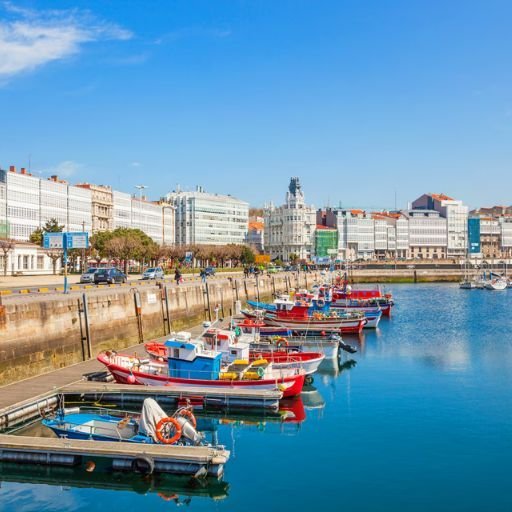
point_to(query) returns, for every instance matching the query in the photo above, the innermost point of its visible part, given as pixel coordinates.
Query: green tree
(247, 257)
(51, 226)
(125, 244)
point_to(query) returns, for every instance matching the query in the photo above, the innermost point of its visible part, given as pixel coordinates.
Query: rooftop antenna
(29, 162)
(395, 200)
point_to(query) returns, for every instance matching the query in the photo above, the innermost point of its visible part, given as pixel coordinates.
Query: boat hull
(281, 360)
(344, 326)
(326, 347)
(289, 385)
(307, 361)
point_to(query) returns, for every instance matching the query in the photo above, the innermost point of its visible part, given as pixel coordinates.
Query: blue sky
(361, 99)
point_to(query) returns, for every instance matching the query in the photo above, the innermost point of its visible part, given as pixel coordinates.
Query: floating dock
(199, 396)
(146, 459)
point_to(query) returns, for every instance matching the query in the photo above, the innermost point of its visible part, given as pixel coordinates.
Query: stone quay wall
(41, 333)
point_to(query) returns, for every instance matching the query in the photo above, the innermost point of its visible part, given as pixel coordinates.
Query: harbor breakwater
(41, 333)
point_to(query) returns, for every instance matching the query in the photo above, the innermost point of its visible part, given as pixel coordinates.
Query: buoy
(90, 466)
(130, 379)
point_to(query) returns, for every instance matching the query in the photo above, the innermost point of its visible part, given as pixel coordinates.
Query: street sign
(65, 241)
(77, 240)
(53, 240)
(71, 240)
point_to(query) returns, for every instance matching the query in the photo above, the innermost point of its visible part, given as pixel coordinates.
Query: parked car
(109, 276)
(209, 271)
(153, 273)
(88, 275)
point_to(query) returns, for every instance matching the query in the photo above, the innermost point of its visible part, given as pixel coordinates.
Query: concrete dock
(147, 458)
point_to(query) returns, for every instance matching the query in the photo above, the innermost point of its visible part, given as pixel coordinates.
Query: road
(50, 284)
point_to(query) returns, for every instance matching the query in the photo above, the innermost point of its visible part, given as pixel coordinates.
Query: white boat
(496, 284)
(467, 285)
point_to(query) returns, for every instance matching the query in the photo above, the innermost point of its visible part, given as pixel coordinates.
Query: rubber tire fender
(143, 465)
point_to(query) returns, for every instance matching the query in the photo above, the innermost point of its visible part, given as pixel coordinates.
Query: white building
(506, 234)
(154, 219)
(23, 205)
(356, 233)
(3, 206)
(79, 209)
(27, 259)
(121, 210)
(402, 236)
(456, 215)
(169, 227)
(204, 218)
(290, 228)
(427, 234)
(148, 217)
(53, 201)
(31, 202)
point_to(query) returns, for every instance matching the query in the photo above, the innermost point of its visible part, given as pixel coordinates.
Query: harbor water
(419, 419)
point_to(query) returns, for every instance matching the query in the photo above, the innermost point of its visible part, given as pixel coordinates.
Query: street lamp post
(140, 189)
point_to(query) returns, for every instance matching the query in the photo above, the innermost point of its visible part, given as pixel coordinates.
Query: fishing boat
(152, 426)
(234, 345)
(326, 344)
(193, 365)
(342, 290)
(295, 316)
(321, 301)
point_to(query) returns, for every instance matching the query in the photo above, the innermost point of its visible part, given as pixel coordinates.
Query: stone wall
(44, 332)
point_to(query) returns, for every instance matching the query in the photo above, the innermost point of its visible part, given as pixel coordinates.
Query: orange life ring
(282, 342)
(160, 426)
(187, 413)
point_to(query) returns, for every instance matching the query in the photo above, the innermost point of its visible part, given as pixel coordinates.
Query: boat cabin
(189, 360)
(231, 346)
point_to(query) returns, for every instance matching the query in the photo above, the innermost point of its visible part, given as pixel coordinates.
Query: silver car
(88, 276)
(153, 273)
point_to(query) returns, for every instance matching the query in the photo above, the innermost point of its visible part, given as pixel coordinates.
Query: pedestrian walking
(177, 277)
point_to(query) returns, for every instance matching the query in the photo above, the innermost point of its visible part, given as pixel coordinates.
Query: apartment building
(456, 215)
(206, 218)
(427, 234)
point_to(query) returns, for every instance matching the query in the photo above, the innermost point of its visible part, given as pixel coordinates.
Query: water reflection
(168, 487)
(312, 398)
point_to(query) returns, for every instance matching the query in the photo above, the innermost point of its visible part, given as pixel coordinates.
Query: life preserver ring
(161, 427)
(282, 342)
(188, 414)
